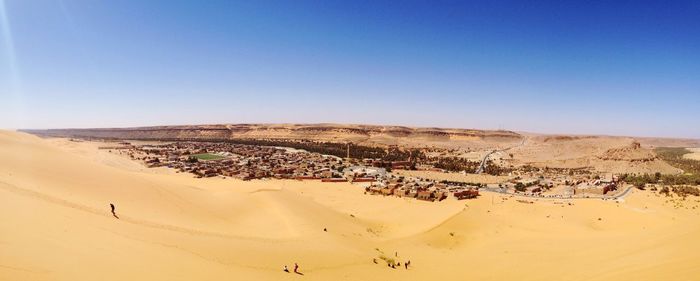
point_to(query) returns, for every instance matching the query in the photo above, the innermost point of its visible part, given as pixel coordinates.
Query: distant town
(377, 175)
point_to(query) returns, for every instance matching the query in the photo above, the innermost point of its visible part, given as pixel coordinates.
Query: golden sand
(56, 225)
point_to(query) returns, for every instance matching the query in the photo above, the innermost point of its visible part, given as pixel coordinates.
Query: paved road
(486, 157)
(483, 162)
(624, 193)
(620, 195)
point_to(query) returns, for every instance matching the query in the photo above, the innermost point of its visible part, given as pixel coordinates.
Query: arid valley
(172, 225)
(346, 140)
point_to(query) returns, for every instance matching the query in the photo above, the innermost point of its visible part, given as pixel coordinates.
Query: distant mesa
(365, 134)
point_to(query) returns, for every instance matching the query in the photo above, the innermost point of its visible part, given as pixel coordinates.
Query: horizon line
(520, 132)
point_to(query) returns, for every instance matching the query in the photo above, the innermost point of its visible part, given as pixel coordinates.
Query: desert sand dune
(57, 225)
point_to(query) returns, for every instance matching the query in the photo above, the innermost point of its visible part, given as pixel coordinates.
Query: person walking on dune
(296, 268)
(113, 213)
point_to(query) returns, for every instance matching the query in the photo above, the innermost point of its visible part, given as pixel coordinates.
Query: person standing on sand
(286, 269)
(113, 213)
(296, 268)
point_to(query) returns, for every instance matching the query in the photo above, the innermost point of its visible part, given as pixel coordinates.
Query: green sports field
(207, 156)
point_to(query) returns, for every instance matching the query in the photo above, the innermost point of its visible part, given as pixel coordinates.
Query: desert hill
(600, 153)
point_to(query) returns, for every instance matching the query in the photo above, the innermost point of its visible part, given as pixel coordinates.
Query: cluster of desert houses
(248, 162)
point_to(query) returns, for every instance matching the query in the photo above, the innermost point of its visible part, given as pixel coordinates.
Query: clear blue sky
(622, 68)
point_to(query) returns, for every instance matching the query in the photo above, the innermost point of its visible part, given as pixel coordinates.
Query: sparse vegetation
(673, 156)
(456, 164)
(459, 164)
(519, 186)
(682, 185)
(340, 149)
(685, 190)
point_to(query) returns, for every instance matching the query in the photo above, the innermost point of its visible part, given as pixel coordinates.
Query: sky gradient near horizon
(623, 68)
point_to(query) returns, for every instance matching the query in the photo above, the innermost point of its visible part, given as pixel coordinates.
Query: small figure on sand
(407, 263)
(296, 268)
(286, 269)
(113, 213)
(324, 229)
